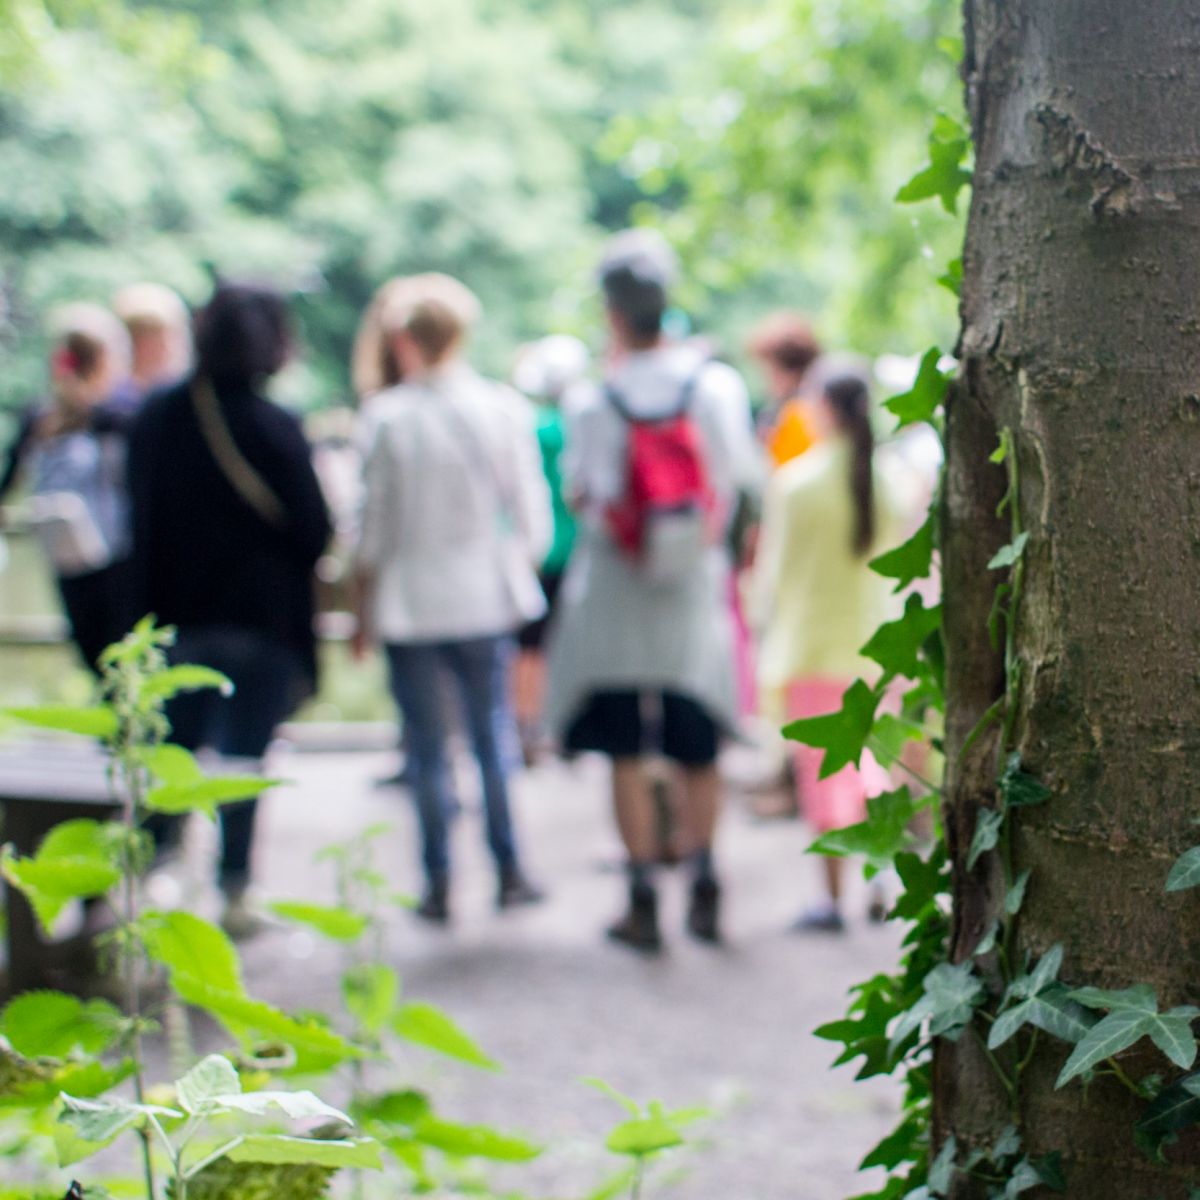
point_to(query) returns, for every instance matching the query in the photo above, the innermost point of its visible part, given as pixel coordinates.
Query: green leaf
(97, 721)
(192, 949)
(362, 1153)
(842, 734)
(896, 645)
(988, 824)
(1050, 1011)
(642, 1136)
(987, 943)
(924, 880)
(926, 395)
(206, 794)
(427, 1025)
(951, 994)
(910, 561)
(952, 278)
(99, 1121)
(890, 735)
(1140, 998)
(944, 176)
(1050, 1172)
(303, 1105)
(474, 1141)
(1118, 1031)
(393, 1108)
(1172, 1033)
(171, 764)
(53, 1024)
(906, 1143)
(941, 1171)
(339, 924)
(186, 677)
(880, 837)
(370, 991)
(213, 1076)
(1020, 789)
(1176, 1107)
(1007, 556)
(1186, 871)
(1015, 896)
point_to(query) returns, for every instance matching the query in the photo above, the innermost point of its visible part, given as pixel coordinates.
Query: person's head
(547, 368)
(160, 328)
(785, 347)
(636, 273)
(89, 354)
(373, 365)
(425, 321)
(846, 398)
(243, 334)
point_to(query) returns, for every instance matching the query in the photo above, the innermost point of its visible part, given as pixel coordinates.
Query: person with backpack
(641, 657)
(455, 515)
(72, 452)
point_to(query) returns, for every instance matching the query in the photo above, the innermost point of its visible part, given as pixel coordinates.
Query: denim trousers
(479, 668)
(265, 675)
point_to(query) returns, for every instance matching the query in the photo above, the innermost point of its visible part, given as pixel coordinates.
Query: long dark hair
(849, 399)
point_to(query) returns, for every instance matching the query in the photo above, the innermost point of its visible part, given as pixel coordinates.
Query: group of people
(622, 564)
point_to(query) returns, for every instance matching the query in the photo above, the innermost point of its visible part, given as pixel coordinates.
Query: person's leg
(480, 668)
(413, 674)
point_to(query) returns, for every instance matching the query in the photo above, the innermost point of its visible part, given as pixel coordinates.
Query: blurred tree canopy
(328, 144)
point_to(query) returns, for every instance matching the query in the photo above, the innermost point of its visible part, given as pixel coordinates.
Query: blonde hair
(146, 307)
(373, 366)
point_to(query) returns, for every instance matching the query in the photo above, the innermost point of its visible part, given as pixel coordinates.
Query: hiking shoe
(239, 920)
(820, 920)
(638, 928)
(434, 906)
(514, 889)
(703, 910)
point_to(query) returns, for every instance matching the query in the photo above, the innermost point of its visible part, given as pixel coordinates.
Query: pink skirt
(841, 799)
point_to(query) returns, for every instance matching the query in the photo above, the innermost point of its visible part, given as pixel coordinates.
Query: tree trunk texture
(1081, 334)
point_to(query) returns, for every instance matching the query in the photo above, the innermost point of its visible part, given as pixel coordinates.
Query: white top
(454, 501)
(615, 630)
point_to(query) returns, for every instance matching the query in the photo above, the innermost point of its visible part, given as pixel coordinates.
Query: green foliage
(226, 1179)
(1186, 871)
(909, 561)
(54, 1025)
(427, 1025)
(842, 734)
(944, 176)
(340, 924)
(879, 838)
(927, 394)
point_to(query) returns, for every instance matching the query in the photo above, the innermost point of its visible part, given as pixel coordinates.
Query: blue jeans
(479, 667)
(265, 675)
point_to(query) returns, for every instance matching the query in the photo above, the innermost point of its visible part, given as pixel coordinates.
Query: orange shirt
(791, 434)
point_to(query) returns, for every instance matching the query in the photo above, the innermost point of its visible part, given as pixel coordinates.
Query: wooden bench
(43, 782)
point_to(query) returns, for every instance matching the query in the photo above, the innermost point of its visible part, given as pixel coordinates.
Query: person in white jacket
(455, 515)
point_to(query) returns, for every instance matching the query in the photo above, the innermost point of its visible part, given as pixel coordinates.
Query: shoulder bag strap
(238, 472)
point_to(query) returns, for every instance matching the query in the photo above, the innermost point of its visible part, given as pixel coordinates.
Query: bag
(78, 506)
(663, 521)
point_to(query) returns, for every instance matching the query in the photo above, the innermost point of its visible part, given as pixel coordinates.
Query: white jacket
(453, 494)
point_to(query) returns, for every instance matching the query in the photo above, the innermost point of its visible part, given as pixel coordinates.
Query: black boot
(703, 910)
(514, 889)
(435, 904)
(638, 928)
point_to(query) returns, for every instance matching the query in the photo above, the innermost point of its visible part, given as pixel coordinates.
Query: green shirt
(551, 435)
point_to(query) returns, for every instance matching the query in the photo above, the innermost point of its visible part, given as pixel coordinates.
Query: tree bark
(1081, 334)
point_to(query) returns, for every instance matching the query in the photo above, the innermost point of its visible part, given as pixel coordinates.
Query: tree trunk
(1081, 334)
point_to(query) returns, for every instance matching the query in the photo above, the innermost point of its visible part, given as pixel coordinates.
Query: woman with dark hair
(816, 601)
(229, 522)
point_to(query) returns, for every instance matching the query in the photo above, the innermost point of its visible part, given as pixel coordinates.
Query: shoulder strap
(686, 395)
(238, 472)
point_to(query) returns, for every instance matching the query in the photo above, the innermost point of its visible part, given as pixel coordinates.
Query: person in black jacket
(228, 524)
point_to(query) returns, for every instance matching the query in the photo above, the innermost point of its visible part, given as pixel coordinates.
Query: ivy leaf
(909, 561)
(276, 1148)
(643, 1136)
(1008, 556)
(1024, 1178)
(474, 1141)
(951, 279)
(1172, 1033)
(339, 924)
(896, 645)
(1118, 1031)
(1186, 871)
(1018, 788)
(842, 734)
(52, 1024)
(1140, 998)
(1015, 896)
(211, 1077)
(905, 1143)
(987, 835)
(880, 837)
(925, 396)
(1050, 1011)
(369, 991)
(96, 721)
(951, 994)
(427, 1025)
(1176, 1107)
(1049, 1170)
(987, 943)
(944, 176)
(1041, 977)
(941, 1171)
(924, 880)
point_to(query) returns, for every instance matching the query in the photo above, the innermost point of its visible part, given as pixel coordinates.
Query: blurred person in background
(455, 516)
(71, 451)
(785, 348)
(641, 655)
(816, 601)
(160, 329)
(229, 522)
(545, 371)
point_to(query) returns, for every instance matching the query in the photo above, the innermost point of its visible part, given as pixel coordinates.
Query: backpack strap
(687, 394)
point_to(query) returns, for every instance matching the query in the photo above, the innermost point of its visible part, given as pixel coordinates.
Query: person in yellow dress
(785, 349)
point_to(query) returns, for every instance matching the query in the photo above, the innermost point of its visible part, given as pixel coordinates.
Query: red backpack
(663, 520)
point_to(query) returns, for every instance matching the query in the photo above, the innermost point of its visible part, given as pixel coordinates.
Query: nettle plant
(1005, 1001)
(73, 1071)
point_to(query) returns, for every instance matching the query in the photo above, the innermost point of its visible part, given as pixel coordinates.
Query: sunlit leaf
(339, 924)
(427, 1025)
(276, 1148)
(841, 734)
(96, 721)
(53, 1024)
(909, 561)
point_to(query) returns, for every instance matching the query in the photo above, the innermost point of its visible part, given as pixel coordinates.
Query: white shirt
(453, 494)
